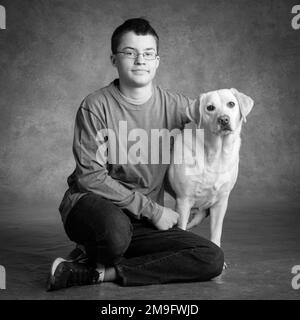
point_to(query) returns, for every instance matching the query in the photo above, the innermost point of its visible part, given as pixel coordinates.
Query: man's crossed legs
(131, 252)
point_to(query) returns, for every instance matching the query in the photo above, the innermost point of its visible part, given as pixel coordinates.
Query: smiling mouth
(140, 70)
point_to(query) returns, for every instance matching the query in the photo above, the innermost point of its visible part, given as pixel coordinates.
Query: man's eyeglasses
(132, 54)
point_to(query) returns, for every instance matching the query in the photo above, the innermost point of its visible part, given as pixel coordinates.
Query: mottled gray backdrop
(55, 52)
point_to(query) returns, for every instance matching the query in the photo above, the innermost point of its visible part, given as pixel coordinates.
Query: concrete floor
(261, 241)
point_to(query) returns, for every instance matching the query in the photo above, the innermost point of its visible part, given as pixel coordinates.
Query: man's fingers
(173, 219)
(168, 219)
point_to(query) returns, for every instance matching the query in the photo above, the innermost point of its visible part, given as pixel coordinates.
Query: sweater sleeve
(92, 174)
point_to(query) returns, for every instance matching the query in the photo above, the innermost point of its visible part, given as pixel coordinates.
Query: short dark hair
(139, 26)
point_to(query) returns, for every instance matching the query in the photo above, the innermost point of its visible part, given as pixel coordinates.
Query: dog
(202, 184)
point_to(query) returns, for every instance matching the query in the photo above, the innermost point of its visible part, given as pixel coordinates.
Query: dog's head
(221, 111)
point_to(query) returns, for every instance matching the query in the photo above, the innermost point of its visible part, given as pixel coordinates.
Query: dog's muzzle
(224, 122)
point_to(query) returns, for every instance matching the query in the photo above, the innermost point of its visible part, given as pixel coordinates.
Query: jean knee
(216, 261)
(118, 233)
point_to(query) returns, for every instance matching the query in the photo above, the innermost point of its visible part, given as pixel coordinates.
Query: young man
(114, 210)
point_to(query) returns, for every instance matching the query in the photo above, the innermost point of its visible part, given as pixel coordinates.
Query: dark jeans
(140, 253)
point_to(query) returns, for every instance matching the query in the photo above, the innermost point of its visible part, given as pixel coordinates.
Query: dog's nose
(223, 120)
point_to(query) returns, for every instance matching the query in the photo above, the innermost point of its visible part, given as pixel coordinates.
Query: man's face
(137, 72)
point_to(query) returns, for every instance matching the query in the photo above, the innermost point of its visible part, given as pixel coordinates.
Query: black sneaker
(66, 274)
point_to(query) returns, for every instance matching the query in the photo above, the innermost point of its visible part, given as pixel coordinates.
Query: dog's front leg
(183, 207)
(217, 214)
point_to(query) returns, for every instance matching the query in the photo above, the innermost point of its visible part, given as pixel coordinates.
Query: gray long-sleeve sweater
(137, 187)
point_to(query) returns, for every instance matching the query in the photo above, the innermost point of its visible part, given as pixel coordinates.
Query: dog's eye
(210, 108)
(231, 104)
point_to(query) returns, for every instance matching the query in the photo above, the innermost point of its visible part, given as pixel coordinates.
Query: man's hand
(168, 219)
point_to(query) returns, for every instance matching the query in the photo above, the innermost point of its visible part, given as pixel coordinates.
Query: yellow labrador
(205, 181)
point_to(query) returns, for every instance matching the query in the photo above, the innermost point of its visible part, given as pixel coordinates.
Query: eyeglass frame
(137, 54)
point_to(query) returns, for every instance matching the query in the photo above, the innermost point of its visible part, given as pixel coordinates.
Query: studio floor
(261, 241)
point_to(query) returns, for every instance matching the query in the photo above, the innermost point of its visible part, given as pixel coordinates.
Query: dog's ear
(245, 102)
(194, 110)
